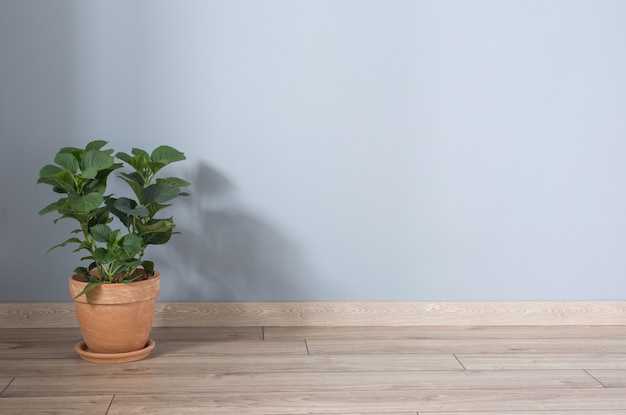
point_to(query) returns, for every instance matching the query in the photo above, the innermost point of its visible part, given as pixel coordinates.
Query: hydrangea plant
(115, 254)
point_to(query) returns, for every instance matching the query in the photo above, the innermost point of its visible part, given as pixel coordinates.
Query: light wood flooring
(509, 370)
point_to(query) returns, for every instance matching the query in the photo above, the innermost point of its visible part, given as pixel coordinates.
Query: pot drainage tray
(85, 354)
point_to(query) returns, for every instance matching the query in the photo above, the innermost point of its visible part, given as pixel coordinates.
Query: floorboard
(542, 361)
(483, 345)
(378, 370)
(375, 382)
(334, 402)
(65, 405)
(160, 365)
(461, 332)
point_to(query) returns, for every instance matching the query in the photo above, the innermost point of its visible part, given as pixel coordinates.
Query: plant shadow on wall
(226, 252)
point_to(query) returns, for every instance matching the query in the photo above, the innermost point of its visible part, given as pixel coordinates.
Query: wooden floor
(556, 370)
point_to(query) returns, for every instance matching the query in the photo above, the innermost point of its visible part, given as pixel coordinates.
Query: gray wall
(340, 150)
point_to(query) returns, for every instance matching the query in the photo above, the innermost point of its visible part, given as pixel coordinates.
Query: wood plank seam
(110, 404)
(7, 386)
(459, 360)
(594, 378)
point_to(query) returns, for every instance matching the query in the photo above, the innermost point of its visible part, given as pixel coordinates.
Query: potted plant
(115, 290)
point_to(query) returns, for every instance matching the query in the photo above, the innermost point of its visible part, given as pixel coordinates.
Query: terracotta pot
(115, 318)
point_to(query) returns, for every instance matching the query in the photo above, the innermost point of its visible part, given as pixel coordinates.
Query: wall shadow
(228, 253)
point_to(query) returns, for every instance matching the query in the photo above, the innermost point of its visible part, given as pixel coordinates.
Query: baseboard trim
(215, 314)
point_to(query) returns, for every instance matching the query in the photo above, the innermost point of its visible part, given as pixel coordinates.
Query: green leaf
(96, 159)
(156, 225)
(102, 233)
(148, 266)
(136, 183)
(76, 152)
(174, 181)
(49, 170)
(61, 182)
(123, 156)
(154, 208)
(90, 286)
(98, 184)
(53, 207)
(86, 257)
(155, 166)
(64, 243)
(164, 229)
(59, 179)
(134, 262)
(100, 216)
(81, 270)
(89, 173)
(133, 177)
(141, 153)
(84, 245)
(130, 207)
(96, 145)
(131, 244)
(156, 238)
(70, 214)
(166, 155)
(67, 161)
(159, 193)
(129, 268)
(104, 256)
(136, 162)
(85, 204)
(124, 218)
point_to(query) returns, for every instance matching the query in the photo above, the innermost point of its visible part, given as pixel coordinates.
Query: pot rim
(116, 293)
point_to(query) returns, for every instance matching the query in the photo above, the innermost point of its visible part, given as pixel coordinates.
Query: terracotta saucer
(85, 354)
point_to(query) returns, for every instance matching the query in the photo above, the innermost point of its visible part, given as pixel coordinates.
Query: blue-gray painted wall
(339, 150)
